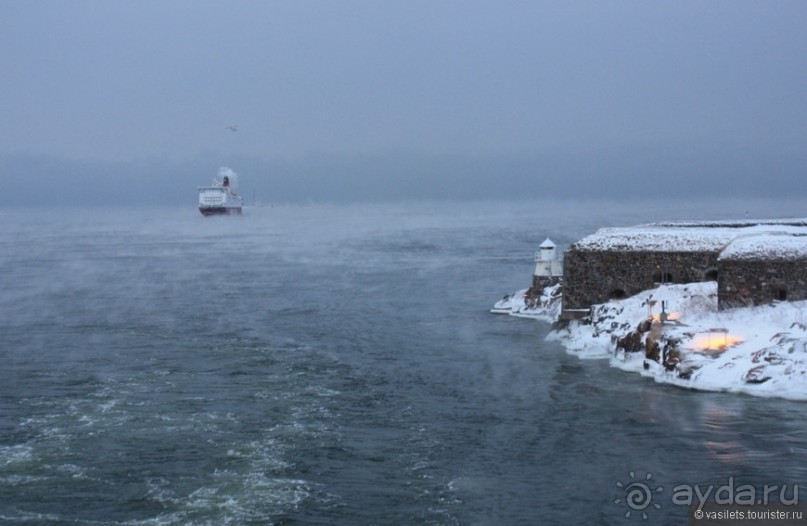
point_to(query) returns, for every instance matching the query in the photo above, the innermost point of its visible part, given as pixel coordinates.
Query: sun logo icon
(638, 495)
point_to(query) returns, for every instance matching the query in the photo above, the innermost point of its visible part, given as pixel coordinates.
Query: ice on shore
(758, 350)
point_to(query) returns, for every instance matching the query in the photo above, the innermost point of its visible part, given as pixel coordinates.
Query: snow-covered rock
(543, 304)
(756, 350)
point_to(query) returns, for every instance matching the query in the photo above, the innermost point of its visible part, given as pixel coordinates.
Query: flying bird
(233, 128)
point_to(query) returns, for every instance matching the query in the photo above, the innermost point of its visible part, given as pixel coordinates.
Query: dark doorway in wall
(780, 294)
(617, 294)
(662, 277)
(710, 275)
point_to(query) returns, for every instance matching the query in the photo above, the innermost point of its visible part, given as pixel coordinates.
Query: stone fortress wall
(757, 282)
(753, 262)
(595, 276)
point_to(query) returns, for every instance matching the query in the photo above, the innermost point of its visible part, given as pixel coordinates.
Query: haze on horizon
(362, 100)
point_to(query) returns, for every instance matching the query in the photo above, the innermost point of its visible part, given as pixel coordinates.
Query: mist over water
(331, 364)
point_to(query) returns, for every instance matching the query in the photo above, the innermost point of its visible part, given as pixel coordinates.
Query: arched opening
(710, 274)
(662, 277)
(617, 294)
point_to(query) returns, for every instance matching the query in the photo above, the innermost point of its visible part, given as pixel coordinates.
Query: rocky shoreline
(675, 334)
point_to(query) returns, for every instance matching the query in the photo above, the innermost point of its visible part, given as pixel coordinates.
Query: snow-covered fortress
(753, 262)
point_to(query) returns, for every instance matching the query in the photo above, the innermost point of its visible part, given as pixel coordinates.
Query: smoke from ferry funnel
(228, 177)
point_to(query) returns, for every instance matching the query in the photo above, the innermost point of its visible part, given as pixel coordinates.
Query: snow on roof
(547, 244)
(734, 223)
(683, 237)
(648, 238)
(771, 245)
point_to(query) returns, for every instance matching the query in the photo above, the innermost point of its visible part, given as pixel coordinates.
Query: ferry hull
(219, 211)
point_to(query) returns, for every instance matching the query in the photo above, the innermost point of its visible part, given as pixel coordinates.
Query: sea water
(337, 364)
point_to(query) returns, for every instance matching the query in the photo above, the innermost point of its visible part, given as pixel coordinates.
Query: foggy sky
(365, 100)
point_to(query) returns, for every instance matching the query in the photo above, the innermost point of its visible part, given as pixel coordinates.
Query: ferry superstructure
(220, 199)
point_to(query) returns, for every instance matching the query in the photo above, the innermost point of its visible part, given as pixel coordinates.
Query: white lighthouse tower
(547, 264)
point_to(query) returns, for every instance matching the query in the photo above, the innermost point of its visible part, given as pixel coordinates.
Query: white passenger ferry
(219, 199)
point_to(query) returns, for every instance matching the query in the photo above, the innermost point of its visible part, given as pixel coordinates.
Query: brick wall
(757, 282)
(596, 276)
